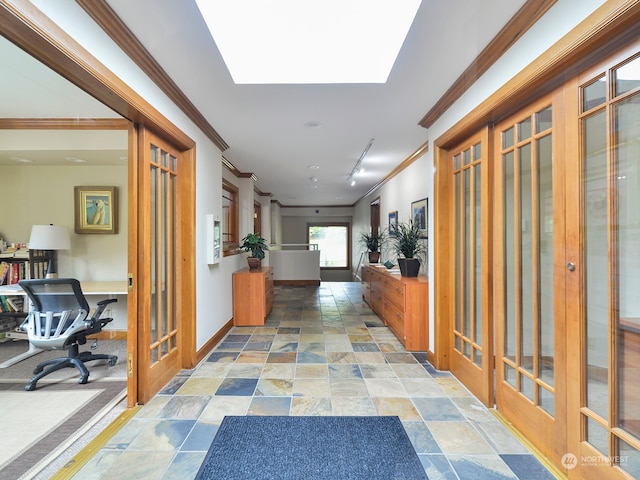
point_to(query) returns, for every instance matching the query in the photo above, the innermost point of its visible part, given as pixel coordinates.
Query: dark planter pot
(254, 263)
(409, 267)
(374, 257)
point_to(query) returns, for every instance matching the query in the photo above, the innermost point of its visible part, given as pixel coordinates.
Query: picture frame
(96, 209)
(419, 216)
(393, 223)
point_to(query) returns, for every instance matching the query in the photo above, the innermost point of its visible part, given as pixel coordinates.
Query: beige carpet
(37, 426)
(43, 410)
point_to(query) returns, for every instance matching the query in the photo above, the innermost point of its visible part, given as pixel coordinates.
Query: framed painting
(96, 209)
(419, 212)
(393, 223)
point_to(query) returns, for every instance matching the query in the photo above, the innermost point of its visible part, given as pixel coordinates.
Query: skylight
(309, 41)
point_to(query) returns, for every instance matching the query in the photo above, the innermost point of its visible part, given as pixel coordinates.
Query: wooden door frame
(28, 28)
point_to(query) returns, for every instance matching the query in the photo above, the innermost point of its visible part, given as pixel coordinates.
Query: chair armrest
(101, 306)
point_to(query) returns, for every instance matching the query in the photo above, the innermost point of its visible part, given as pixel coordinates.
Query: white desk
(105, 289)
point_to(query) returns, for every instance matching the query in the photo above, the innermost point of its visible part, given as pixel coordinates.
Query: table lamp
(50, 238)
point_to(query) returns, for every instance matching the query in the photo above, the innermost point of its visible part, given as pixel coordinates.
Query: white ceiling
(264, 124)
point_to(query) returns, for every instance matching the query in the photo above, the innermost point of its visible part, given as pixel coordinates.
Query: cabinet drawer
(394, 292)
(394, 319)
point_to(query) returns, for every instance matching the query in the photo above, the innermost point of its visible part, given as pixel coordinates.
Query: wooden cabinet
(252, 296)
(401, 302)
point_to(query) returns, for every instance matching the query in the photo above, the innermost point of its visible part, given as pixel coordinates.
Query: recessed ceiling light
(289, 41)
(75, 160)
(312, 124)
(313, 167)
(20, 160)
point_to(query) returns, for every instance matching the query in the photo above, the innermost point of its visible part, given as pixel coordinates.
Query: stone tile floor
(322, 351)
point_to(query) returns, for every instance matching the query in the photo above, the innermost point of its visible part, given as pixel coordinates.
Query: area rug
(38, 425)
(311, 448)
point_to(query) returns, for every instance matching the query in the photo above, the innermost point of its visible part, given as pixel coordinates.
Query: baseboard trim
(110, 335)
(213, 341)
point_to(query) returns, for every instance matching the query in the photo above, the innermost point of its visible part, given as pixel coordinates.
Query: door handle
(571, 266)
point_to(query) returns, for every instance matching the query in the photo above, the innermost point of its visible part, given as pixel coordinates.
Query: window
(333, 241)
(229, 218)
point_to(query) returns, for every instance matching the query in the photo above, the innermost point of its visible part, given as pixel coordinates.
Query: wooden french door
(529, 274)
(471, 354)
(603, 270)
(159, 327)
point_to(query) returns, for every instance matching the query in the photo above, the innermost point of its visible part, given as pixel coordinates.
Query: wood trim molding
(213, 341)
(614, 24)
(522, 21)
(106, 18)
(64, 124)
(31, 30)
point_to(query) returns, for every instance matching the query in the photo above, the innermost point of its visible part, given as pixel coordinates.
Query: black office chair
(58, 320)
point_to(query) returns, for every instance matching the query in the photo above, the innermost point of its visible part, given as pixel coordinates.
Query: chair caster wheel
(83, 380)
(113, 361)
(30, 387)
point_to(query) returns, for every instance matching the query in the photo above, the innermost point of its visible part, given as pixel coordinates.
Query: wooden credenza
(401, 302)
(252, 296)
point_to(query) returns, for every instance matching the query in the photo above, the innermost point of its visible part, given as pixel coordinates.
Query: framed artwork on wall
(419, 212)
(393, 222)
(96, 209)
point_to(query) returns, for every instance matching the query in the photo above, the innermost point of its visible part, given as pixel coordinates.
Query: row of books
(11, 304)
(13, 272)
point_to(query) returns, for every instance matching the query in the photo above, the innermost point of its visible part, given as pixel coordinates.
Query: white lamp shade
(49, 237)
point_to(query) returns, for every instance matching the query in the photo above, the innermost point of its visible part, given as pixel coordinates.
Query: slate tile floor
(322, 351)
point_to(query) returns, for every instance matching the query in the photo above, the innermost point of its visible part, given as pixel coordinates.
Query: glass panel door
(609, 394)
(158, 352)
(471, 353)
(529, 202)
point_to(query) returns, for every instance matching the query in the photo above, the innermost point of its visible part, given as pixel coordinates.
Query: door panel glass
(466, 327)
(596, 263)
(543, 120)
(458, 317)
(547, 400)
(546, 342)
(524, 129)
(627, 208)
(629, 459)
(526, 259)
(154, 274)
(594, 94)
(597, 436)
(477, 267)
(509, 258)
(627, 76)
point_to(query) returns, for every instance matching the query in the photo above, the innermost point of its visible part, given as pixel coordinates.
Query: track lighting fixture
(358, 168)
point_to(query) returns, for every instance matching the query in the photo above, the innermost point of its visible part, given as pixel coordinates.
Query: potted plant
(257, 245)
(372, 242)
(409, 247)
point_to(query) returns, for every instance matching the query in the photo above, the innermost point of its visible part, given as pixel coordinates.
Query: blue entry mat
(311, 448)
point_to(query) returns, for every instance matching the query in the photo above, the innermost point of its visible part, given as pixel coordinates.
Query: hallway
(322, 351)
